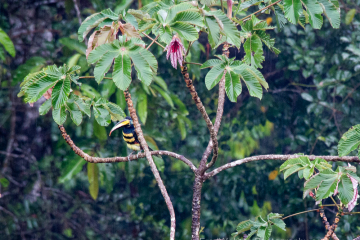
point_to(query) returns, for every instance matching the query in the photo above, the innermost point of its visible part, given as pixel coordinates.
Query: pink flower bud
(175, 51)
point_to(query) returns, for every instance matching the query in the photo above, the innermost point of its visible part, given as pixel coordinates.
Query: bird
(129, 135)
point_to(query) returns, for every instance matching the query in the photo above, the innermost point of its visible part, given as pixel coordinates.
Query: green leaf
(71, 168)
(182, 127)
(145, 64)
(314, 10)
(350, 16)
(232, 85)
(185, 30)
(268, 232)
(93, 21)
(293, 161)
(59, 115)
(180, 104)
(213, 31)
(102, 115)
(45, 107)
(251, 234)
(37, 86)
(293, 10)
(227, 27)
(115, 111)
(214, 76)
(73, 44)
(98, 52)
(60, 93)
(93, 177)
(189, 17)
(165, 95)
(211, 63)
(326, 188)
(100, 132)
(7, 43)
(254, 51)
(103, 65)
(332, 11)
(142, 106)
(250, 80)
(75, 112)
(346, 190)
(279, 223)
(307, 172)
(122, 72)
(292, 170)
(349, 141)
(244, 226)
(261, 232)
(4, 182)
(315, 181)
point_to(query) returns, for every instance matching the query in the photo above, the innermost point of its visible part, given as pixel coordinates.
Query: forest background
(45, 193)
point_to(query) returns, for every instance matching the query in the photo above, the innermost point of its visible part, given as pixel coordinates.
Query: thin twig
(153, 40)
(78, 14)
(93, 77)
(279, 157)
(295, 214)
(193, 63)
(264, 8)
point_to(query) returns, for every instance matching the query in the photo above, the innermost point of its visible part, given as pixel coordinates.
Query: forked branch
(151, 162)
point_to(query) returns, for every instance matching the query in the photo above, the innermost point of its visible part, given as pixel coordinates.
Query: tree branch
(220, 111)
(202, 110)
(91, 159)
(151, 162)
(153, 40)
(279, 157)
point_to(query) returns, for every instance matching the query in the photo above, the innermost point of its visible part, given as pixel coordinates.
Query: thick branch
(219, 113)
(89, 158)
(202, 110)
(279, 157)
(151, 163)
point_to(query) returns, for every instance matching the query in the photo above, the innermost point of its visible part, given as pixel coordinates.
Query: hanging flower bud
(229, 10)
(175, 51)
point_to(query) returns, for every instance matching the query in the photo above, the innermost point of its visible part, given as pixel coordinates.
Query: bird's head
(126, 122)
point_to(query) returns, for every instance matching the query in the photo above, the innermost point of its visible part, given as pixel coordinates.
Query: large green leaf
(315, 181)
(326, 188)
(227, 27)
(185, 30)
(292, 9)
(93, 177)
(314, 10)
(279, 223)
(103, 65)
(346, 190)
(349, 141)
(141, 60)
(214, 76)
(213, 30)
(60, 93)
(75, 113)
(45, 107)
(122, 72)
(254, 51)
(190, 17)
(250, 78)
(59, 115)
(38, 86)
(71, 168)
(332, 11)
(7, 43)
(232, 85)
(244, 226)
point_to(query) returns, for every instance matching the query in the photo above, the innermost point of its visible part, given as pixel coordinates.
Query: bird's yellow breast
(134, 146)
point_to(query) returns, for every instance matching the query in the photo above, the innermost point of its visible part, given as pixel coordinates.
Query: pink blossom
(175, 51)
(353, 201)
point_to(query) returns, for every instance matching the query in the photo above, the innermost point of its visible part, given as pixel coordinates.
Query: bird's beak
(120, 124)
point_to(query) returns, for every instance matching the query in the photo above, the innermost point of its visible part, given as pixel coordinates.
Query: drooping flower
(175, 51)
(353, 201)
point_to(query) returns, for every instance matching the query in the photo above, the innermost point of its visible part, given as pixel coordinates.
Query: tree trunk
(195, 224)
